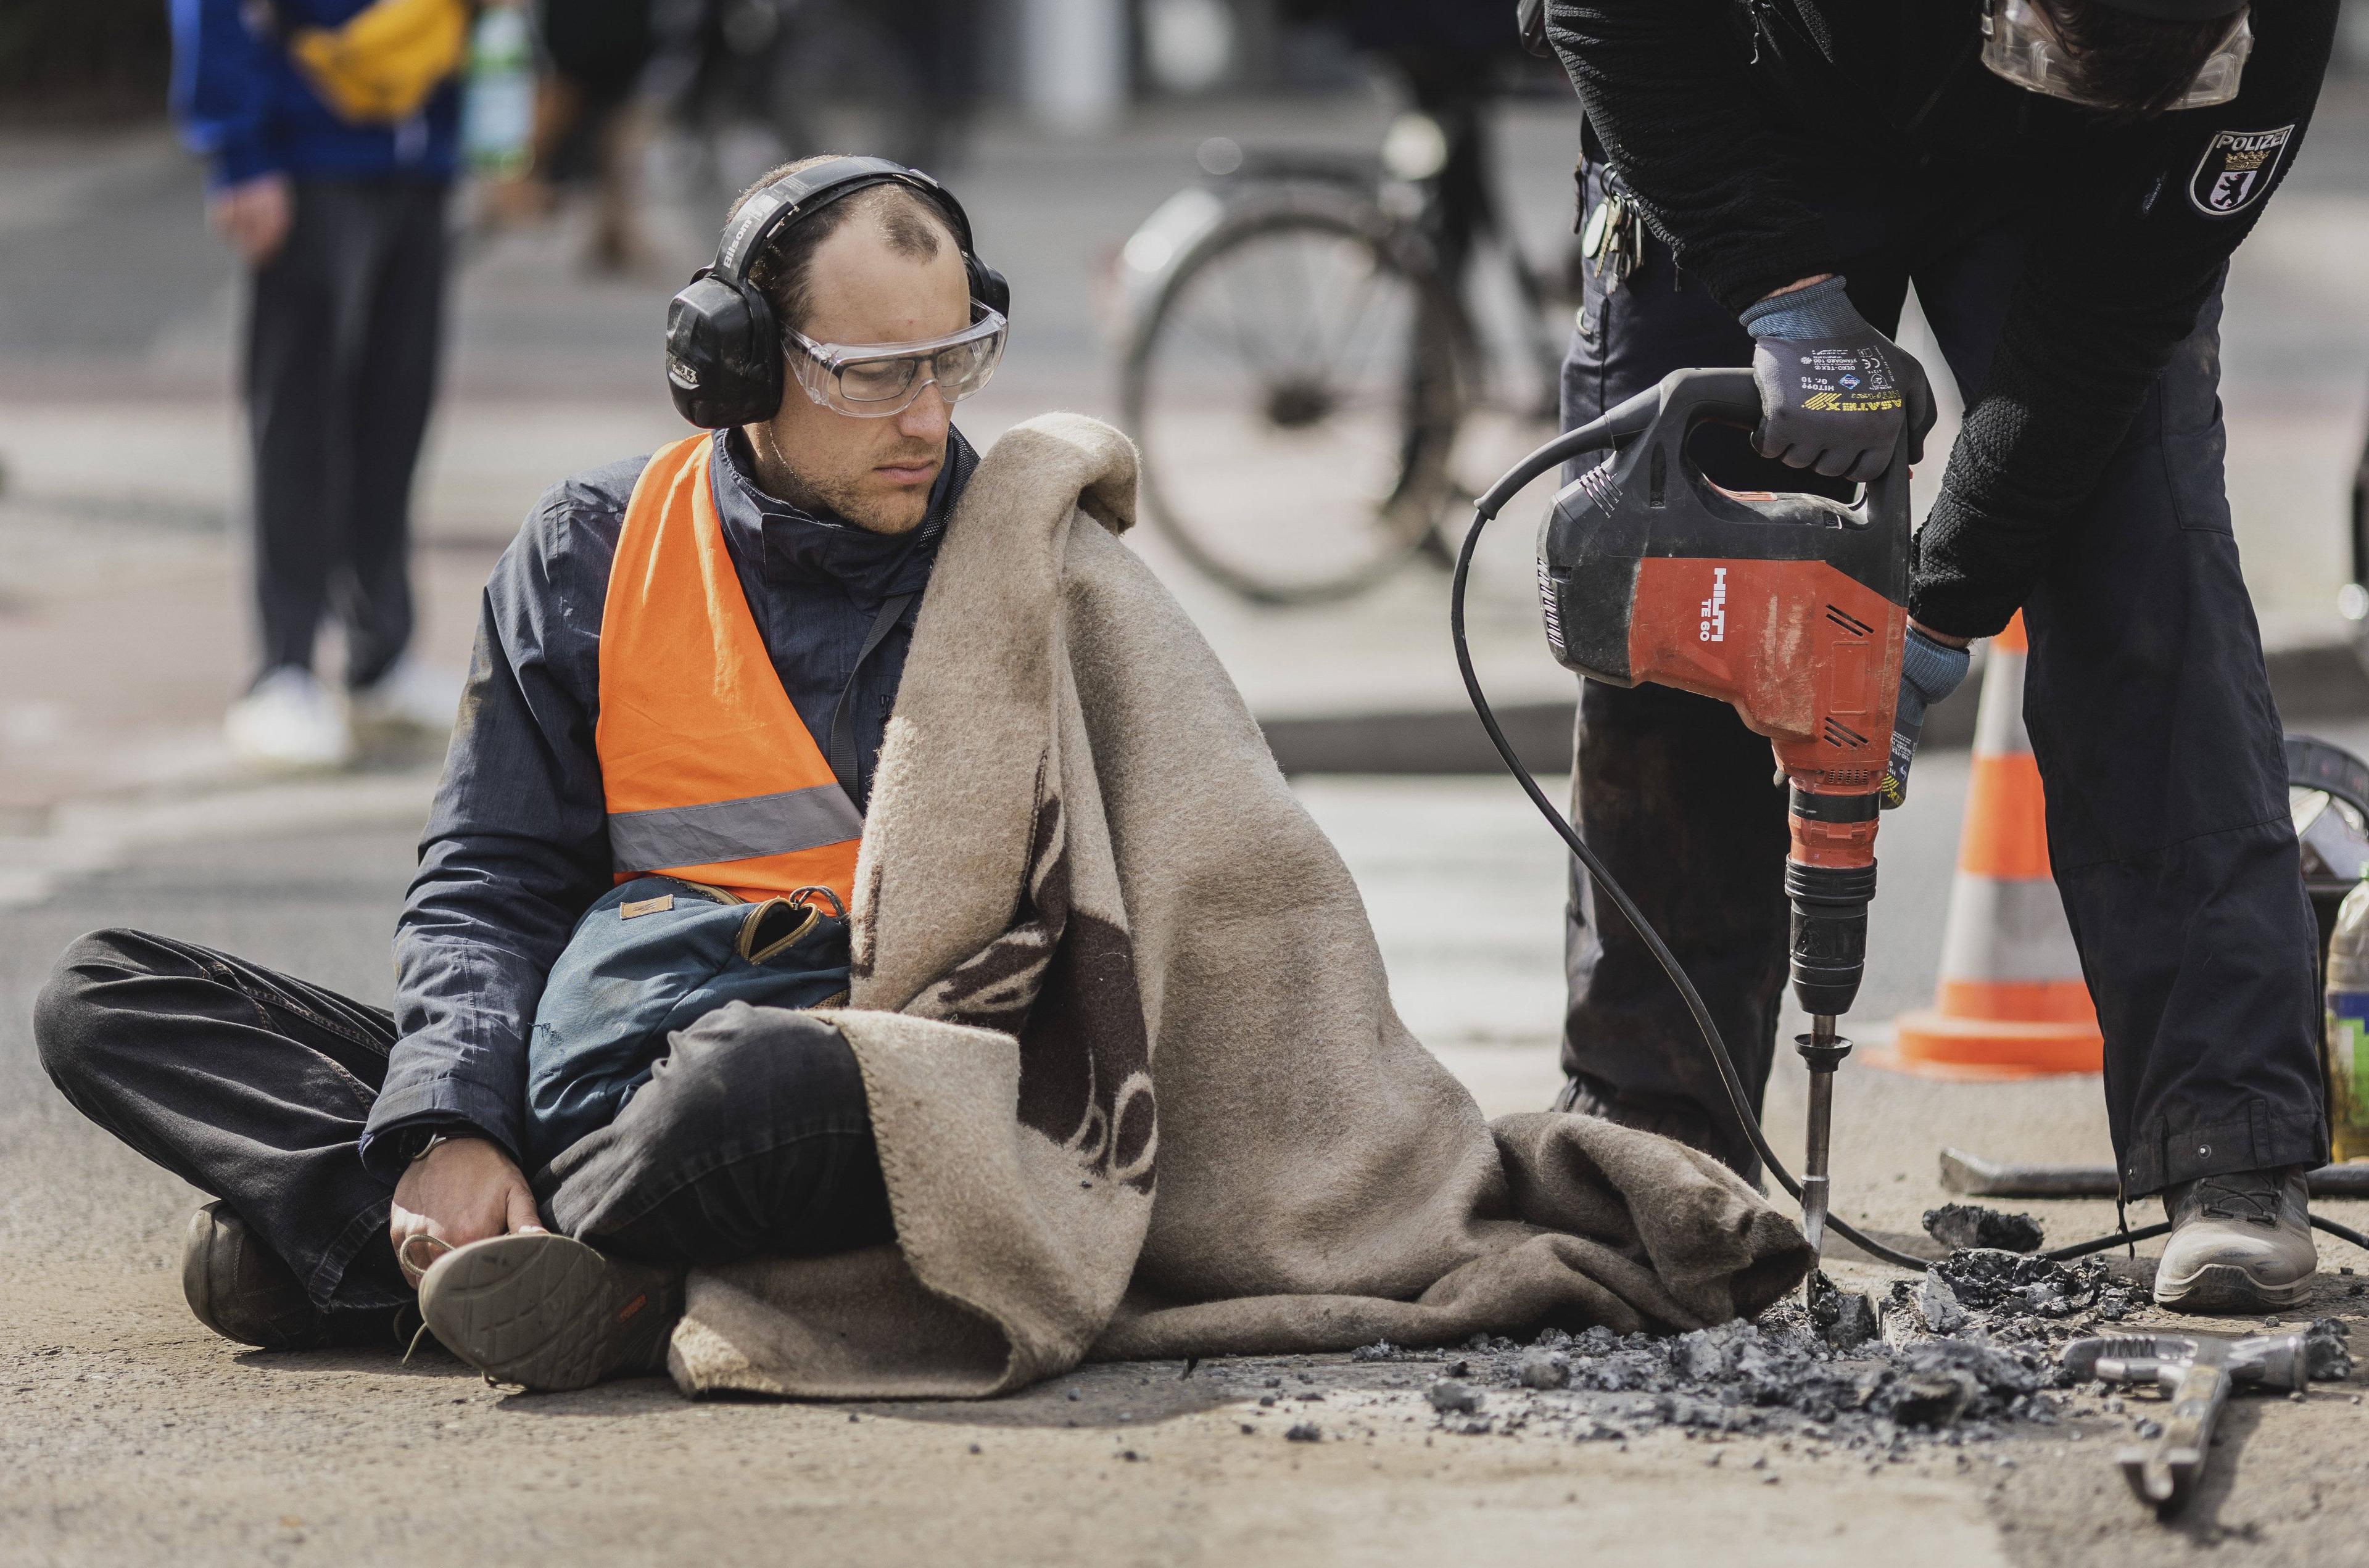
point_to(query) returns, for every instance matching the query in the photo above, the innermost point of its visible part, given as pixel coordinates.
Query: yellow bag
(381, 66)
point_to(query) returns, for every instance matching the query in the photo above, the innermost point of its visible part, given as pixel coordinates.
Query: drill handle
(1624, 422)
(1722, 396)
(1733, 397)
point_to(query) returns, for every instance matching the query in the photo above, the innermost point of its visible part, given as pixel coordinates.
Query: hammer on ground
(2196, 1371)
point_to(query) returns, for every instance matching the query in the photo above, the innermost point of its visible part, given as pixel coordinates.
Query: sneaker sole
(2226, 1289)
(550, 1313)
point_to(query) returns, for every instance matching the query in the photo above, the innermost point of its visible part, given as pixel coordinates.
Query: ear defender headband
(724, 347)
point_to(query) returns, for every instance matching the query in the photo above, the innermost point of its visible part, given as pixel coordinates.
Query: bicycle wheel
(1295, 387)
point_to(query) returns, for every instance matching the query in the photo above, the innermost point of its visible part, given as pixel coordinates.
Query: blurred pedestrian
(1451, 57)
(330, 128)
(591, 125)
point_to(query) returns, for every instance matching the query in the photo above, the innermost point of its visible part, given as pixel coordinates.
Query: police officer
(2063, 181)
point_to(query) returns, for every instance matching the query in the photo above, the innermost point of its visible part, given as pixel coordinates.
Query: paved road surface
(135, 1437)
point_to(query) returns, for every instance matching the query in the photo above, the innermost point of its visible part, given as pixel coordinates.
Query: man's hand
(253, 215)
(1835, 393)
(463, 1190)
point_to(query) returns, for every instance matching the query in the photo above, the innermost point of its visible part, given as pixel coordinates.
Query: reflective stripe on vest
(708, 772)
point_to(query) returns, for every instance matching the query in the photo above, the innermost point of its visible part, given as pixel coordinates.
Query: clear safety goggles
(2019, 45)
(872, 381)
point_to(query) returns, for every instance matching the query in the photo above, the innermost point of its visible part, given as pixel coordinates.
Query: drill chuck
(1829, 933)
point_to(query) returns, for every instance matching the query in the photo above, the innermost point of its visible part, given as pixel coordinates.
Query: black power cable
(1624, 420)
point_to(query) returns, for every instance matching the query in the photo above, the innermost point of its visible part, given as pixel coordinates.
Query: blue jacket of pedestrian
(517, 846)
(243, 105)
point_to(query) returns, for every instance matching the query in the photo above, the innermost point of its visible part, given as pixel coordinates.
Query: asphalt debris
(1451, 1398)
(2326, 1356)
(1544, 1370)
(1843, 1318)
(1964, 1354)
(1959, 1225)
(2025, 1298)
(1777, 1375)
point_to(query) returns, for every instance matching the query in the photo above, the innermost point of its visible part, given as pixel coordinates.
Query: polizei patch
(2235, 170)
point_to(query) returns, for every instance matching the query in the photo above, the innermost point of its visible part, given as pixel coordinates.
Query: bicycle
(1303, 453)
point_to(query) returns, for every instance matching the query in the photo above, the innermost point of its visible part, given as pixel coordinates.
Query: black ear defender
(724, 347)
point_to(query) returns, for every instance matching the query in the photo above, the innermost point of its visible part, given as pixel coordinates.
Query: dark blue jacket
(517, 846)
(243, 105)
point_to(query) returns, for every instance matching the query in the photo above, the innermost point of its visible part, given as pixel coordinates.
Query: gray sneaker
(2240, 1244)
(239, 1289)
(549, 1312)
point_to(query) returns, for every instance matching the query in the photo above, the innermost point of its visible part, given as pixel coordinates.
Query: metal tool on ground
(1793, 609)
(1978, 1177)
(2196, 1373)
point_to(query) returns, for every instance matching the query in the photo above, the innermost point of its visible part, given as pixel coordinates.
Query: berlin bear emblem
(2235, 170)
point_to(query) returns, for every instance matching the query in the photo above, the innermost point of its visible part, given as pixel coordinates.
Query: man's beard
(847, 500)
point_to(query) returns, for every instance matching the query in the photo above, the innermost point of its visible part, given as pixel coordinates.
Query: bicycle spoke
(1292, 443)
(1245, 341)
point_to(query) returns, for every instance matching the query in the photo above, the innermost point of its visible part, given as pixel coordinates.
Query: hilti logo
(1715, 610)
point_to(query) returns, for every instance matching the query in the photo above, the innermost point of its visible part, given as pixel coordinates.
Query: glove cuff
(1822, 310)
(1930, 669)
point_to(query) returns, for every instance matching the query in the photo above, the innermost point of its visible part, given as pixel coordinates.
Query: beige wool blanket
(1135, 1081)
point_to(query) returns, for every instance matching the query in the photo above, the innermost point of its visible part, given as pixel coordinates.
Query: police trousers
(2146, 699)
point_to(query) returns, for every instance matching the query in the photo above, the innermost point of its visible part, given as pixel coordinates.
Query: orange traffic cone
(2011, 1002)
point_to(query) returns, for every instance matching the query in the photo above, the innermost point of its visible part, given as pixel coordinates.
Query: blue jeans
(752, 1137)
(2149, 710)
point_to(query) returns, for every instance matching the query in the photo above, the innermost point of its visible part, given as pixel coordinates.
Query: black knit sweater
(1727, 118)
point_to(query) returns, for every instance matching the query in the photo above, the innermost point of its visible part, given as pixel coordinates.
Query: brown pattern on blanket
(1062, 979)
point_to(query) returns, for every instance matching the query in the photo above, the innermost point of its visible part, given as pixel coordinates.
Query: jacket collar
(791, 544)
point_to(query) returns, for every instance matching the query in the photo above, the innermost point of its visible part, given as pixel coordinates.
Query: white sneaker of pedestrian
(410, 695)
(288, 721)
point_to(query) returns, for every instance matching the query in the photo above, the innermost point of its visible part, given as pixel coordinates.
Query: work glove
(1834, 391)
(1930, 671)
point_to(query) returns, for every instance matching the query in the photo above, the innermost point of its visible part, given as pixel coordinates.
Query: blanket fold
(1133, 1069)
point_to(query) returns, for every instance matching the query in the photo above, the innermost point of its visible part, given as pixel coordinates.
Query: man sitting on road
(303, 1107)
(1080, 872)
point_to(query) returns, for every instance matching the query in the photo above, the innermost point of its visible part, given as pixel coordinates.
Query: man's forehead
(863, 291)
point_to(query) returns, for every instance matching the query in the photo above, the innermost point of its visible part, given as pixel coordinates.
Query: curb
(2318, 681)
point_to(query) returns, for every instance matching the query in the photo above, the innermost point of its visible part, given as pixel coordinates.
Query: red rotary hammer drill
(1790, 607)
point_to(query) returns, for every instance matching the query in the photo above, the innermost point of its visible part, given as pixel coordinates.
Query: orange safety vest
(706, 769)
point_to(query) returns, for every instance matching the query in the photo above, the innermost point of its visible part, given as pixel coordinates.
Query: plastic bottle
(498, 112)
(2346, 1028)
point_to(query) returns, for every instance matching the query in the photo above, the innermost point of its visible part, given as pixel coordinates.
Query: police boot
(549, 1312)
(2240, 1244)
(1677, 1119)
